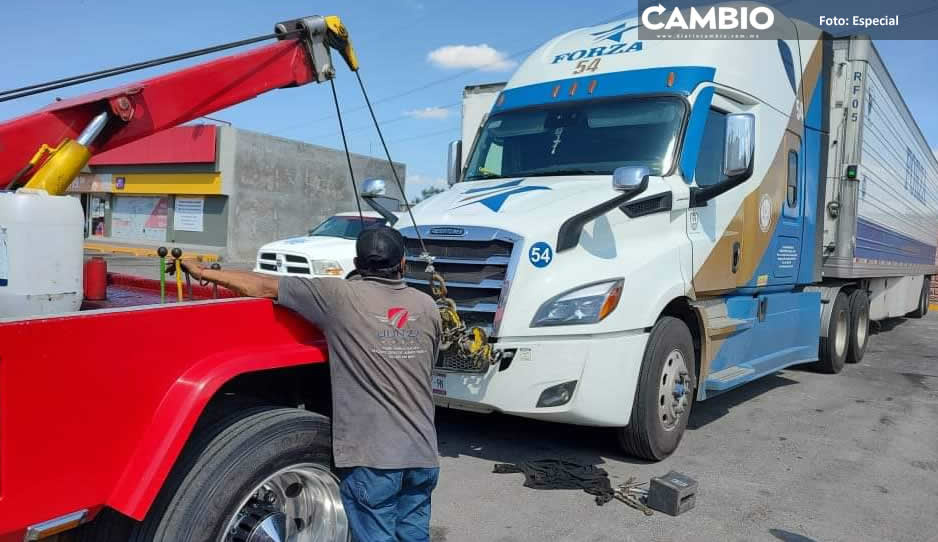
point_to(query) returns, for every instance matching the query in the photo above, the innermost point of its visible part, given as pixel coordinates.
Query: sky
(415, 55)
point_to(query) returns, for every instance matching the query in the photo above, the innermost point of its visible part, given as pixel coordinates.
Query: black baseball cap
(379, 247)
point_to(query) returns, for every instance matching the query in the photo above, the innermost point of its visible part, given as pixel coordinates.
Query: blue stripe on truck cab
(624, 83)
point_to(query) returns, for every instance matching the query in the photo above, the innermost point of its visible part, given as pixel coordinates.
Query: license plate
(439, 384)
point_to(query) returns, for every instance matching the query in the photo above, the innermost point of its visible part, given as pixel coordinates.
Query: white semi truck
(642, 225)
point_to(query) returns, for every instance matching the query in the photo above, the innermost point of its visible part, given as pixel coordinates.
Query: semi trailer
(641, 224)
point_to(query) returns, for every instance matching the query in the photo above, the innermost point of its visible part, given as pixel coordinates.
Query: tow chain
(469, 344)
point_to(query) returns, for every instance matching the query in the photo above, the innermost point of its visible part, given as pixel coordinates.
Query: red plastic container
(96, 279)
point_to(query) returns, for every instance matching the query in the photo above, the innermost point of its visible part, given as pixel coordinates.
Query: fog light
(557, 395)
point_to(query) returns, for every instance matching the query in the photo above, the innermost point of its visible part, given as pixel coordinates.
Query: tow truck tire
(859, 303)
(922, 308)
(654, 430)
(832, 350)
(228, 460)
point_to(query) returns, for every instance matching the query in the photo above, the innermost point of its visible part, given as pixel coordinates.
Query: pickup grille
(290, 264)
(475, 267)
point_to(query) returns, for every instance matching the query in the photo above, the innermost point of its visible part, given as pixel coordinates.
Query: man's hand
(193, 268)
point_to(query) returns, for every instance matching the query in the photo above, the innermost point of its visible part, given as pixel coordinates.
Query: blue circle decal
(540, 254)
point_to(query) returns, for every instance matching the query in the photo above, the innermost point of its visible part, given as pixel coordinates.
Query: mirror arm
(700, 196)
(569, 234)
(380, 209)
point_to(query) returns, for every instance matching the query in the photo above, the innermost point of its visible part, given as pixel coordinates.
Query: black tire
(647, 436)
(922, 308)
(859, 303)
(224, 460)
(832, 351)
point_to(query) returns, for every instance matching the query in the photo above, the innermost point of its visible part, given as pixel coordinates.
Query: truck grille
(290, 264)
(475, 266)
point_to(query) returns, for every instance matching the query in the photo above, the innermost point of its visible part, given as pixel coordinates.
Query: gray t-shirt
(383, 338)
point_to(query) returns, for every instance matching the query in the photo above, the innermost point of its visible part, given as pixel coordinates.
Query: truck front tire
(262, 468)
(665, 392)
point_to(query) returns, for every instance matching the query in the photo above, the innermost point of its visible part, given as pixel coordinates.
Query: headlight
(585, 305)
(326, 267)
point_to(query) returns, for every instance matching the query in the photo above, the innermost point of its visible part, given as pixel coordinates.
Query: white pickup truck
(327, 251)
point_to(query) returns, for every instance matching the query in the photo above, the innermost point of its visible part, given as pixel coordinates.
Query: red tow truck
(184, 422)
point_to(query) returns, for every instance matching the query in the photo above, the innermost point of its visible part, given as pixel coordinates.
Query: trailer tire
(228, 460)
(654, 429)
(922, 308)
(859, 303)
(832, 350)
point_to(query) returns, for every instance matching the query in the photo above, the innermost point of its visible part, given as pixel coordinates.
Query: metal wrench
(635, 503)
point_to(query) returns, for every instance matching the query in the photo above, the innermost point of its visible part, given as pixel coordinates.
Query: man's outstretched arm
(246, 283)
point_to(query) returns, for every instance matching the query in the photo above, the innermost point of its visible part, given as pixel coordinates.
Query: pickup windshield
(579, 138)
(346, 227)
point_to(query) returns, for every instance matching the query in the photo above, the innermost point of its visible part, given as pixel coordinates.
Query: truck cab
(625, 209)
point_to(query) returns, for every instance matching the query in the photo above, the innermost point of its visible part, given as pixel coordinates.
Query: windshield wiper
(571, 171)
(483, 176)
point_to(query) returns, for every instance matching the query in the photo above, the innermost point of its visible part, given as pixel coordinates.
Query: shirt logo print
(397, 317)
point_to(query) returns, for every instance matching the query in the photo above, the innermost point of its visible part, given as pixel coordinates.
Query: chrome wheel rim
(863, 326)
(840, 333)
(673, 390)
(299, 503)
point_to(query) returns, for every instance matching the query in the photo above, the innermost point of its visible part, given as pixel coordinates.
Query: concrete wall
(281, 188)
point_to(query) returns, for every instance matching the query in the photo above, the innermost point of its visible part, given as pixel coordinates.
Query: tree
(426, 193)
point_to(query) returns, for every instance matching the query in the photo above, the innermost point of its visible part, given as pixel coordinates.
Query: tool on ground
(674, 493)
(177, 254)
(162, 252)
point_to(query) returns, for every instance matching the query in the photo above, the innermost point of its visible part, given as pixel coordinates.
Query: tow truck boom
(47, 149)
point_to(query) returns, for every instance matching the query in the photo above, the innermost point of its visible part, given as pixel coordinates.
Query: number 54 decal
(540, 254)
(584, 66)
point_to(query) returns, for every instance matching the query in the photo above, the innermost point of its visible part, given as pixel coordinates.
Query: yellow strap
(338, 39)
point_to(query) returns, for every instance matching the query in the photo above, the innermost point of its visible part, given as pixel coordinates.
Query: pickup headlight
(584, 305)
(326, 267)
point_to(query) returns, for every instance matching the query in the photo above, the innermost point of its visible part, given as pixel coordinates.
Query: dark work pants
(388, 505)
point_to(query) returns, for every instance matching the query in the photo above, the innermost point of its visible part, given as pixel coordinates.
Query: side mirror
(374, 191)
(740, 144)
(629, 177)
(454, 162)
(739, 147)
(372, 188)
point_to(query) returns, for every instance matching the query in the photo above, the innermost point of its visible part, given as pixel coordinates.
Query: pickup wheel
(832, 350)
(261, 474)
(859, 303)
(665, 393)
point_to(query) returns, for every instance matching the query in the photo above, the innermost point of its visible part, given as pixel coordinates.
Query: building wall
(934, 284)
(281, 188)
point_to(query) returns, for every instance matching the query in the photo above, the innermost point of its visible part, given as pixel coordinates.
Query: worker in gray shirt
(383, 339)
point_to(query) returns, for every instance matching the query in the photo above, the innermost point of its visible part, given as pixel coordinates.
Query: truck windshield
(579, 138)
(347, 227)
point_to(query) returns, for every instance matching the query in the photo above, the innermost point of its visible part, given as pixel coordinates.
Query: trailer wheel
(859, 303)
(259, 475)
(833, 348)
(922, 308)
(664, 395)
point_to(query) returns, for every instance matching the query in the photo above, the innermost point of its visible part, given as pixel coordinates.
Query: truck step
(724, 326)
(729, 378)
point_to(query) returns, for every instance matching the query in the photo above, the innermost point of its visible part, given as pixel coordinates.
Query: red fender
(95, 407)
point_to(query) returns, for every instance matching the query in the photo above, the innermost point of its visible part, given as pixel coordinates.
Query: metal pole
(162, 254)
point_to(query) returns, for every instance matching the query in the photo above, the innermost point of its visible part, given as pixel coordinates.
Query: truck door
(783, 258)
(760, 244)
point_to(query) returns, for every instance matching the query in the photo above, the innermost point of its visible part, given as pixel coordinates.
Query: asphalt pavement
(796, 456)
